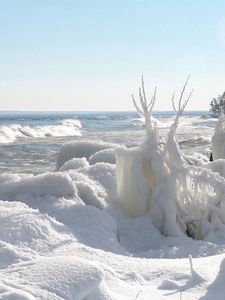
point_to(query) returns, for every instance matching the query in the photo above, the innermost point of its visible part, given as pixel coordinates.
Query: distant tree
(218, 104)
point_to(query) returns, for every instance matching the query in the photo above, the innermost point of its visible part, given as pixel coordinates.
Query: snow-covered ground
(114, 220)
(64, 236)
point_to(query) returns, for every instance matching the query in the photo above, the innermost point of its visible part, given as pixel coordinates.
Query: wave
(66, 127)
(141, 122)
(71, 123)
(103, 118)
(194, 142)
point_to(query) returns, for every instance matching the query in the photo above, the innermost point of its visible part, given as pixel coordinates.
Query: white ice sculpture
(218, 139)
(154, 178)
(135, 175)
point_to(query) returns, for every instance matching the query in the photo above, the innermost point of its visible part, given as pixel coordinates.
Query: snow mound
(8, 293)
(22, 225)
(26, 232)
(56, 278)
(78, 150)
(73, 164)
(71, 197)
(92, 227)
(216, 166)
(46, 187)
(106, 155)
(92, 185)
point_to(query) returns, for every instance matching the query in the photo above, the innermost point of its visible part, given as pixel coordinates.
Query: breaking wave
(140, 122)
(67, 127)
(195, 141)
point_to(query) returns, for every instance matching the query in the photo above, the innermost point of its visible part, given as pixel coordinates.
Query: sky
(90, 55)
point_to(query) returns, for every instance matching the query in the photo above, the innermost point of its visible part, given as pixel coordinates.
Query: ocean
(30, 141)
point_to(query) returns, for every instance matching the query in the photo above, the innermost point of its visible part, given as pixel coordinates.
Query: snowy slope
(64, 236)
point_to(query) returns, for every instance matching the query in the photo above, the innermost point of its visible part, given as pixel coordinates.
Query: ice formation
(79, 150)
(154, 178)
(218, 139)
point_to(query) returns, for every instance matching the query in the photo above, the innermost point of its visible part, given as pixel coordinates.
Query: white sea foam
(12, 133)
(103, 117)
(71, 123)
(159, 124)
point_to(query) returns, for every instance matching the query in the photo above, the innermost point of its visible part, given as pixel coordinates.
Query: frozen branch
(180, 107)
(145, 108)
(171, 150)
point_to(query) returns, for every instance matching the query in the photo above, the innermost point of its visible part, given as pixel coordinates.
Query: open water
(30, 141)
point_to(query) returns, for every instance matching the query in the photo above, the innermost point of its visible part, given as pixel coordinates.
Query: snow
(106, 155)
(115, 223)
(55, 278)
(74, 163)
(58, 247)
(216, 166)
(79, 149)
(154, 178)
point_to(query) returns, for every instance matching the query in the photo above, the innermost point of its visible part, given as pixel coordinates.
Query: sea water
(30, 141)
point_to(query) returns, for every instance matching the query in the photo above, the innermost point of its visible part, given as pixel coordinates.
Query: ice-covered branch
(180, 107)
(145, 109)
(171, 150)
(180, 199)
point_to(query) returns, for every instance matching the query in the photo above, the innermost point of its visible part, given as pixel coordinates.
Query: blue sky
(90, 55)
